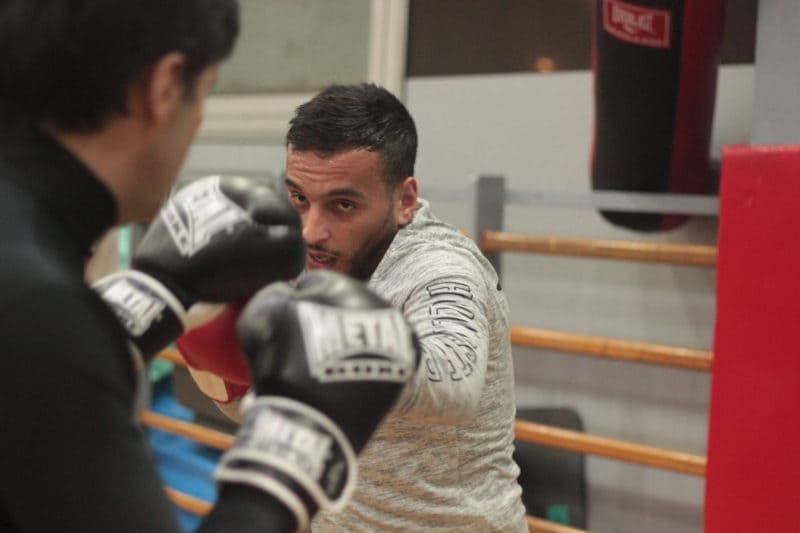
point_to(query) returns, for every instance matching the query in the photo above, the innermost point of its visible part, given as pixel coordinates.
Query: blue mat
(184, 465)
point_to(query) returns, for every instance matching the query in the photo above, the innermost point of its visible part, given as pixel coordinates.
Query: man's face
(175, 137)
(349, 213)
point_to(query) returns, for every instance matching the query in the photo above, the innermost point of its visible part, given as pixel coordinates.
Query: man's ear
(406, 201)
(162, 91)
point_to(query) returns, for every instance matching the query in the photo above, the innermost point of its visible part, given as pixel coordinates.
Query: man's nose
(315, 227)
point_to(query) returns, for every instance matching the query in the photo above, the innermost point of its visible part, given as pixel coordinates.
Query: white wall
(536, 130)
(776, 117)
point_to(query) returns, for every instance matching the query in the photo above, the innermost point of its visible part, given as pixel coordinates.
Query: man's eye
(297, 197)
(344, 205)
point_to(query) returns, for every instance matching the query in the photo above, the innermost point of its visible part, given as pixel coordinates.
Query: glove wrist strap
(295, 453)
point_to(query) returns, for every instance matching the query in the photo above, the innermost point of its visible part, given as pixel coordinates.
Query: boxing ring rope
(493, 242)
(188, 503)
(195, 432)
(490, 197)
(527, 431)
(629, 452)
(652, 252)
(222, 441)
(610, 348)
(199, 507)
(537, 525)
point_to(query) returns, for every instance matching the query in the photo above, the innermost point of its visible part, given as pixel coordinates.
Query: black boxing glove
(218, 239)
(328, 360)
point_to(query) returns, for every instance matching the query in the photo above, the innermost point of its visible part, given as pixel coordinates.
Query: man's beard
(364, 262)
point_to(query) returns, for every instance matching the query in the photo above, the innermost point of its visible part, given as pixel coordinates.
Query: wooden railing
(222, 441)
(650, 252)
(492, 242)
(610, 448)
(188, 503)
(526, 431)
(199, 507)
(640, 352)
(197, 433)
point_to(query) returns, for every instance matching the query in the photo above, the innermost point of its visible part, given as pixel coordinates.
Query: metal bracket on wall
(489, 201)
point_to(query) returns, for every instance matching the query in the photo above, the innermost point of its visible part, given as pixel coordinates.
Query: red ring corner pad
(754, 423)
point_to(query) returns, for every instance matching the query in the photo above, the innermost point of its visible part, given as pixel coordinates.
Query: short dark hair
(363, 116)
(71, 63)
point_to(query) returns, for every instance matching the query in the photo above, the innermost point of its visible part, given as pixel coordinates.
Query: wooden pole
(640, 352)
(200, 507)
(527, 431)
(652, 252)
(195, 432)
(537, 525)
(613, 449)
(188, 503)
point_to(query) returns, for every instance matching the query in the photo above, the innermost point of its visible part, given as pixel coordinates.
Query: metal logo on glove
(306, 447)
(356, 345)
(199, 211)
(288, 448)
(134, 305)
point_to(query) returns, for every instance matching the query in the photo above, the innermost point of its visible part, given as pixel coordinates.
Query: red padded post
(753, 472)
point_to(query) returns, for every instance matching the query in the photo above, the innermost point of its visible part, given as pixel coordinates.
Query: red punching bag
(655, 71)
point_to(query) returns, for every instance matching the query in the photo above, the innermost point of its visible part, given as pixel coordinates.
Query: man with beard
(442, 459)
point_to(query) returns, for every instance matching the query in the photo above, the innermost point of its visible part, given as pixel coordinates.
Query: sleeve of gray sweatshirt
(446, 304)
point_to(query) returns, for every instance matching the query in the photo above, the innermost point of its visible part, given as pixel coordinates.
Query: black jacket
(72, 457)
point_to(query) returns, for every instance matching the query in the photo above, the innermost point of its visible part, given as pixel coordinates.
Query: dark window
(451, 37)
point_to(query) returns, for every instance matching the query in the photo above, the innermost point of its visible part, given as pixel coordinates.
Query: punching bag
(655, 72)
